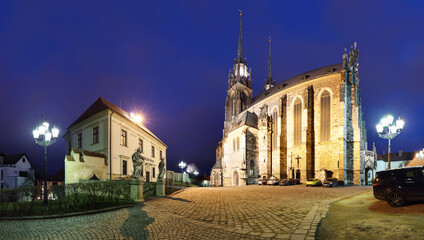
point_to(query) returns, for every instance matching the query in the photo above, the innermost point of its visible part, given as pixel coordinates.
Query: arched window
(297, 122)
(234, 145)
(274, 133)
(325, 116)
(238, 143)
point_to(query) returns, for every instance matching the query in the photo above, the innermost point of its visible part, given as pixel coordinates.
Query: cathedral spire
(269, 82)
(240, 43)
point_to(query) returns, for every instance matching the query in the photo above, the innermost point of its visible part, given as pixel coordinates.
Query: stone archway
(235, 178)
(369, 175)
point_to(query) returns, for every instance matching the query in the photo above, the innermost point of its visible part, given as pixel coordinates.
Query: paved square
(251, 212)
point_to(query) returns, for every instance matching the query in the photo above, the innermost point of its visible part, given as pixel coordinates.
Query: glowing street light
(137, 118)
(44, 137)
(388, 129)
(420, 155)
(182, 165)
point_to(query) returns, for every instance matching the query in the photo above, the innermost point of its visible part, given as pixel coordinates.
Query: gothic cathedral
(300, 128)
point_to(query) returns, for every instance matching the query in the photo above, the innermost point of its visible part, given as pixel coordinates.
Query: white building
(105, 130)
(397, 160)
(15, 170)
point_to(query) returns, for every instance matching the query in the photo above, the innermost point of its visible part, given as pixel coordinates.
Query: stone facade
(268, 119)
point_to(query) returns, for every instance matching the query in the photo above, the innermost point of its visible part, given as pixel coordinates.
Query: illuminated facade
(105, 130)
(299, 128)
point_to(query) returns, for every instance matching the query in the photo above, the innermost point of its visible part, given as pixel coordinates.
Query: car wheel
(395, 199)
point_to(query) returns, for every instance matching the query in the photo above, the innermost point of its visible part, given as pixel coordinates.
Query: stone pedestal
(136, 190)
(160, 188)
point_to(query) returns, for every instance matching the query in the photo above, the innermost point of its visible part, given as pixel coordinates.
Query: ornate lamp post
(182, 165)
(420, 155)
(44, 137)
(388, 129)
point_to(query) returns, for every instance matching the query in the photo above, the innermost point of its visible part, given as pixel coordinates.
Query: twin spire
(269, 82)
(240, 44)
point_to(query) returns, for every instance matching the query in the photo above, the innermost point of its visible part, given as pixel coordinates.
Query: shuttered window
(325, 116)
(297, 128)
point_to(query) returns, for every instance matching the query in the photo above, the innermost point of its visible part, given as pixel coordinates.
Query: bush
(65, 198)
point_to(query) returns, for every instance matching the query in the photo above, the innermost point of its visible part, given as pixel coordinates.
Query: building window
(238, 143)
(234, 145)
(297, 128)
(154, 171)
(140, 144)
(160, 154)
(123, 138)
(124, 167)
(1, 174)
(325, 116)
(79, 140)
(95, 135)
(153, 151)
(274, 132)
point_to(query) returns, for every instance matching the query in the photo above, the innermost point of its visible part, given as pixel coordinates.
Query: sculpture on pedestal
(138, 161)
(161, 169)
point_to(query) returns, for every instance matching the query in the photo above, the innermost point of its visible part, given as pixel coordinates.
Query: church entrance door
(297, 174)
(292, 173)
(236, 178)
(368, 176)
(147, 176)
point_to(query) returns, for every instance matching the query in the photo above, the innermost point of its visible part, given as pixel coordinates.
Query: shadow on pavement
(135, 227)
(177, 199)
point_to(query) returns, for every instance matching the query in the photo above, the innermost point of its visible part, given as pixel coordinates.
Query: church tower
(269, 82)
(239, 93)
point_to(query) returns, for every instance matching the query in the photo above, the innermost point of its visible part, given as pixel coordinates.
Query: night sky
(170, 60)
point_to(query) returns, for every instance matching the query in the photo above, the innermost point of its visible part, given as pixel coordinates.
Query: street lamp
(44, 137)
(182, 165)
(388, 129)
(420, 155)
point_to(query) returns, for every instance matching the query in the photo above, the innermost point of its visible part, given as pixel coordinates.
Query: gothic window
(234, 145)
(274, 132)
(238, 143)
(251, 165)
(297, 120)
(325, 116)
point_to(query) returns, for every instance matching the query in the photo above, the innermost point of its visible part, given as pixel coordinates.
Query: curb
(69, 214)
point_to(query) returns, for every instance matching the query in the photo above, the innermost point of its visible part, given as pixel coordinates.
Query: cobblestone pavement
(251, 212)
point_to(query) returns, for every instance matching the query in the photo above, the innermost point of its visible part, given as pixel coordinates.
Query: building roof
(301, 78)
(14, 158)
(249, 119)
(102, 104)
(218, 164)
(401, 156)
(89, 153)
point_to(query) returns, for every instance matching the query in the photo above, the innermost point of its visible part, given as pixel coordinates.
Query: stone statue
(161, 169)
(138, 161)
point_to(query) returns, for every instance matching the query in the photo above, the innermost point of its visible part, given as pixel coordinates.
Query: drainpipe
(110, 146)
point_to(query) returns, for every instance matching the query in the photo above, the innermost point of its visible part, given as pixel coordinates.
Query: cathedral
(299, 128)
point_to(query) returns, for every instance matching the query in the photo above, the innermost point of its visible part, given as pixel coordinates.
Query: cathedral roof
(249, 119)
(218, 164)
(301, 78)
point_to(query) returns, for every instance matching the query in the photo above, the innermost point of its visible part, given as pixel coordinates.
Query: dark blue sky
(170, 59)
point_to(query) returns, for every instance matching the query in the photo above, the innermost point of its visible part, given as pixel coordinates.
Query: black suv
(396, 186)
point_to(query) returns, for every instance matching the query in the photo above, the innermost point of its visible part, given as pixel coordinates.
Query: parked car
(288, 181)
(262, 181)
(313, 182)
(330, 182)
(284, 182)
(398, 186)
(273, 181)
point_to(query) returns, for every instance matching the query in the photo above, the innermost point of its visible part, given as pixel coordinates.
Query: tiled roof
(89, 153)
(396, 156)
(301, 78)
(218, 164)
(101, 104)
(249, 119)
(13, 159)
